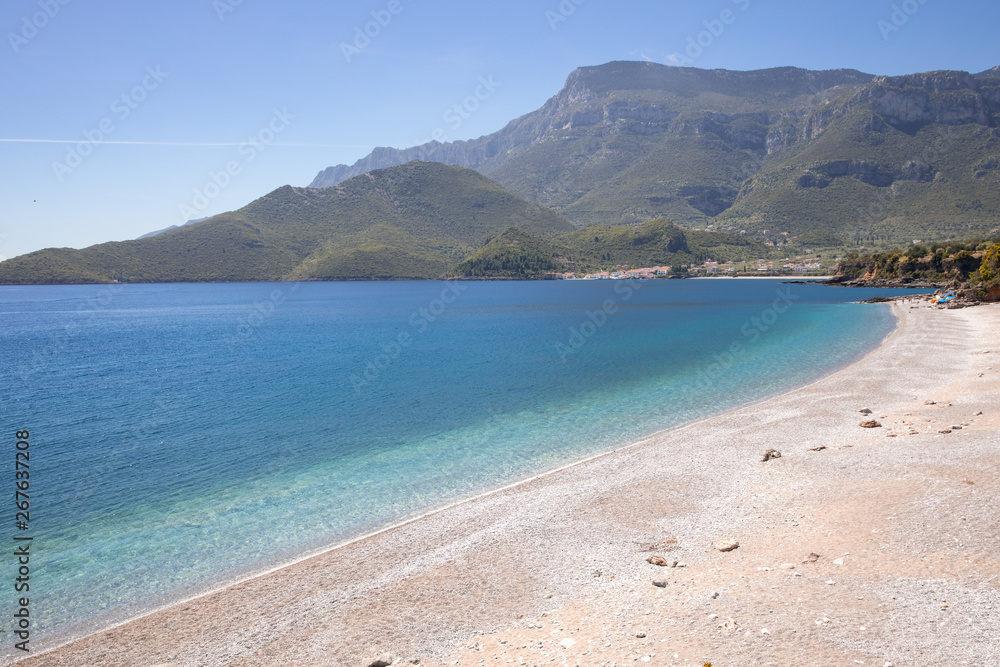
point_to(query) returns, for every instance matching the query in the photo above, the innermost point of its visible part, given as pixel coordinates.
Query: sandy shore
(904, 518)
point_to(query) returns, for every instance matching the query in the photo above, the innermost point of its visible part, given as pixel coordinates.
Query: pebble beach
(868, 544)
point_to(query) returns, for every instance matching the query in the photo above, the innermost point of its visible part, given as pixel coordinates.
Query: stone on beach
(727, 545)
(657, 560)
(870, 423)
(770, 454)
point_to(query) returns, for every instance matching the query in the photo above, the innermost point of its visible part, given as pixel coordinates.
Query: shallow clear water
(183, 435)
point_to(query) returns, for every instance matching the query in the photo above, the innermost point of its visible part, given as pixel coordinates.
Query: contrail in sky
(169, 143)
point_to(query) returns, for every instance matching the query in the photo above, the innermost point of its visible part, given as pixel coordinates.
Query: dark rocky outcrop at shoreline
(970, 269)
(902, 283)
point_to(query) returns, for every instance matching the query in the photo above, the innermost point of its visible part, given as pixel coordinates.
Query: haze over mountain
(842, 152)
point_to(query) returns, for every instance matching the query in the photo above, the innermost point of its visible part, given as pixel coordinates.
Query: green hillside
(412, 221)
(226, 248)
(517, 254)
(655, 243)
(870, 180)
(973, 266)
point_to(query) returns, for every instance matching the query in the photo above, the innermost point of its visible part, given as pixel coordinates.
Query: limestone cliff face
(642, 99)
(951, 98)
(879, 175)
(626, 142)
(944, 97)
(576, 107)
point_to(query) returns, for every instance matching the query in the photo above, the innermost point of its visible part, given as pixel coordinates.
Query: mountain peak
(626, 142)
(623, 75)
(635, 96)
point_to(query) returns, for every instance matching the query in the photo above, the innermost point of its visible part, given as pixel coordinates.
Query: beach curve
(568, 542)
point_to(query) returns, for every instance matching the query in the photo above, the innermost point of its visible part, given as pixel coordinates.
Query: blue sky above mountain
(200, 106)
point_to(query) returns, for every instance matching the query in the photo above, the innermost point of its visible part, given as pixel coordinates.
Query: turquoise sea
(185, 435)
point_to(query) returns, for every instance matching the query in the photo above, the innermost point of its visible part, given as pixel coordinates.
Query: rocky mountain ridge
(623, 98)
(627, 142)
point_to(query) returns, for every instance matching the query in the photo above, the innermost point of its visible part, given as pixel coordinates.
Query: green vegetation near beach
(973, 266)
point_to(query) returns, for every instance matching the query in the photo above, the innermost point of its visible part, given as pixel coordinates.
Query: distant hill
(416, 221)
(411, 221)
(852, 156)
(516, 254)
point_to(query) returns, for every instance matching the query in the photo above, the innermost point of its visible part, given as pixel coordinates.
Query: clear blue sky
(201, 76)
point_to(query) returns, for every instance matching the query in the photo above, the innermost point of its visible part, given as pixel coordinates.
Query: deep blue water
(183, 435)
